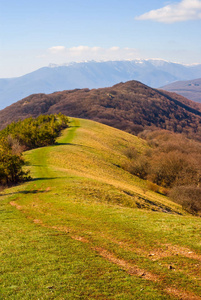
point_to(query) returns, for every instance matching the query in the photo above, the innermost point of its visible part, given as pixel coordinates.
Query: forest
(130, 106)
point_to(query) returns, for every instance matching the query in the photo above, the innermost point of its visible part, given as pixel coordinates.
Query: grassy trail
(66, 235)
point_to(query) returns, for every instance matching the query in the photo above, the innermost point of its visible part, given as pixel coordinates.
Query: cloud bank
(60, 54)
(177, 12)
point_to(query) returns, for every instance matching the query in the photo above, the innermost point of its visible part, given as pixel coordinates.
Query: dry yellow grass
(97, 152)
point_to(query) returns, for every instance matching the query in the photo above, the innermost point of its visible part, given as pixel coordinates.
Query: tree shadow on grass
(31, 191)
(44, 178)
(26, 192)
(71, 144)
(60, 144)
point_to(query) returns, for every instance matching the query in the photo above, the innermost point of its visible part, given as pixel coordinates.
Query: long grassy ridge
(84, 228)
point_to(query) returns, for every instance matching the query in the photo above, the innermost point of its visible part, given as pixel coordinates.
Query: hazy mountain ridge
(189, 88)
(93, 74)
(130, 106)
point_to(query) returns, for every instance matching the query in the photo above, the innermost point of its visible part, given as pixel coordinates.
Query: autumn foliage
(130, 106)
(171, 164)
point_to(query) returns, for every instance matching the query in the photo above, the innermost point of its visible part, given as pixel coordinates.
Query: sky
(34, 34)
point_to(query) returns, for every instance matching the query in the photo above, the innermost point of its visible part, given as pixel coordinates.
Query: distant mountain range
(190, 89)
(130, 106)
(92, 74)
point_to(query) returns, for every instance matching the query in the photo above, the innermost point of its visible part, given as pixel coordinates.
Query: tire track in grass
(181, 294)
(130, 268)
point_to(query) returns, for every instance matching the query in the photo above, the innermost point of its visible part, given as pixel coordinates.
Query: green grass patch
(76, 231)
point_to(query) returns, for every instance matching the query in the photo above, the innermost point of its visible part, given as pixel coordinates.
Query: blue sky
(36, 33)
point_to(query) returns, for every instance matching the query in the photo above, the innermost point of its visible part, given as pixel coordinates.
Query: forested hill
(131, 106)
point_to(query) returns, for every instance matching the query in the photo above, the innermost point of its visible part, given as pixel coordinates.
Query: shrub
(138, 167)
(189, 197)
(131, 153)
(153, 187)
(167, 167)
(11, 167)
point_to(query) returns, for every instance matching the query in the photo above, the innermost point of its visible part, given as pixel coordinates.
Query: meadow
(84, 228)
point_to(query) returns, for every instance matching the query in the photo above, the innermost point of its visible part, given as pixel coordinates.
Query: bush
(131, 153)
(167, 167)
(189, 197)
(138, 167)
(153, 187)
(11, 168)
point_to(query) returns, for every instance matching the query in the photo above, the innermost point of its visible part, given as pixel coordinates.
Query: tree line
(25, 135)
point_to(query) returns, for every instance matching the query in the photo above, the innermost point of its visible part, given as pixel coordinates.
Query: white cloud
(79, 49)
(56, 49)
(114, 48)
(61, 54)
(176, 12)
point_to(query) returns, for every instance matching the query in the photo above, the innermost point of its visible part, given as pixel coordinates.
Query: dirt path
(131, 268)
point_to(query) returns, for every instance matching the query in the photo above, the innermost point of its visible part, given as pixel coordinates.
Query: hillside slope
(130, 106)
(77, 231)
(190, 89)
(95, 152)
